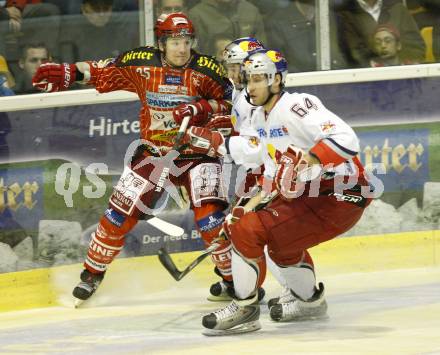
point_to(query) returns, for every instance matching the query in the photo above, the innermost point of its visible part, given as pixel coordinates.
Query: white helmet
(236, 51)
(266, 61)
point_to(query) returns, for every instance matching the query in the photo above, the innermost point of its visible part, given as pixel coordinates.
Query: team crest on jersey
(196, 78)
(253, 142)
(328, 127)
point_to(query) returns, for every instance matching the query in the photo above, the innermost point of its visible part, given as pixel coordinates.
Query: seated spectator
(426, 13)
(169, 6)
(31, 21)
(32, 55)
(292, 29)
(231, 18)
(6, 79)
(98, 32)
(386, 45)
(126, 5)
(220, 42)
(359, 19)
(4, 27)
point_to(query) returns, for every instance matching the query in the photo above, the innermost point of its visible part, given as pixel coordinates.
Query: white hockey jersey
(241, 151)
(301, 120)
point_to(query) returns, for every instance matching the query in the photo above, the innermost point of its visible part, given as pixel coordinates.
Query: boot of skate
(298, 309)
(240, 316)
(88, 285)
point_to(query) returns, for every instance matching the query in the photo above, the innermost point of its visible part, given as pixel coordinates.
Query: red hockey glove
(290, 164)
(222, 124)
(199, 112)
(51, 77)
(204, 141)
(233, 217)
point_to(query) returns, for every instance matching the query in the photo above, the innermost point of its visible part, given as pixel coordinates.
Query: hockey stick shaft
(256, 203)
(181, 132)
(165, 227)
(171, 267)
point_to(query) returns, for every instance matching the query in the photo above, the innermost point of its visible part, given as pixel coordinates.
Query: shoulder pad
(209, 66)
(142, 56)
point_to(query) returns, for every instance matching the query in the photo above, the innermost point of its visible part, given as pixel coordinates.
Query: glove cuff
(203, 107)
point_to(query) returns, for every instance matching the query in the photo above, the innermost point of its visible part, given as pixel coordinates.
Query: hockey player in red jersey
(172, 82)
(309, 155)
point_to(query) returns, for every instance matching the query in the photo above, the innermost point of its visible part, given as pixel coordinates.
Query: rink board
(52, 287)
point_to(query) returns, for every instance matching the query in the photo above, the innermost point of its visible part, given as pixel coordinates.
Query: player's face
(257, 88)
(386, 45)
(178, 50)
(234, 72)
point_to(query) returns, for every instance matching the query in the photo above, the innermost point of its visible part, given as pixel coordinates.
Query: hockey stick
(255, 203)
(171, 267)
(165, 227)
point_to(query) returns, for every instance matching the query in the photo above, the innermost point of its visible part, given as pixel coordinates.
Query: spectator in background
(292, 29)
(6, 79)
(220, 43)
(231, 18)
(386, 45)
(426, 13)
(126, 5)
(32, 55)
(98, 33)
(73, 7)
(4, 28)
(170, 6)
(31, 21)
(359, 19)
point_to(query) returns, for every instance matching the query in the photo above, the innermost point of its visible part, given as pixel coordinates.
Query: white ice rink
(389, 312)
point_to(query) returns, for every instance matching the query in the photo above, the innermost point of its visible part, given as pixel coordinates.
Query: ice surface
(388, 312)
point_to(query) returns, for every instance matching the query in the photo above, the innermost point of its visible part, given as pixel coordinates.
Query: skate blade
(320, 317)
(224, 298)
(78, 303)
(240, 329)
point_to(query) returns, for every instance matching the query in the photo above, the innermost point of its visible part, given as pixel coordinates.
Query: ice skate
(284, 297)
(240, 316)
(297, 309)
(221, 291)
(87, 287)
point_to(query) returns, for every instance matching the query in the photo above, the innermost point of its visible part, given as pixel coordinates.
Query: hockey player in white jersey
(233, 56)
(309, 155)
(239, 123)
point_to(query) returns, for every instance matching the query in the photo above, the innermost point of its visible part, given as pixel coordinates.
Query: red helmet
(173, 25)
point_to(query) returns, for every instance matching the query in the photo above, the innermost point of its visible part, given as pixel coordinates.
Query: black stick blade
(167, 262)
